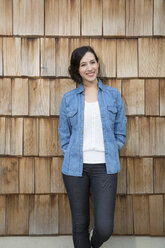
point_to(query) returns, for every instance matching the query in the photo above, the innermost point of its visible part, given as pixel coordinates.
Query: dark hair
(76, 56)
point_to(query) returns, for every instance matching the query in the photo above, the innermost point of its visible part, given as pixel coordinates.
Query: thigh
(78, 194)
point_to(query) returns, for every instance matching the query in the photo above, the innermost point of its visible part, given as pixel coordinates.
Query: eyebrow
(86, 62)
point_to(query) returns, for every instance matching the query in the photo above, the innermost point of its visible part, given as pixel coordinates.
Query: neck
(90, 85)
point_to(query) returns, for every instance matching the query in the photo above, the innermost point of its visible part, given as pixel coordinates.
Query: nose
(89, 67)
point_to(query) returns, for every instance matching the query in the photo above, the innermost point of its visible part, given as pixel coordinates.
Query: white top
(93, 143)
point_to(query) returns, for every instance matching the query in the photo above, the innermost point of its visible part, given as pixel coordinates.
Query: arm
(120, 123)
(64, 128)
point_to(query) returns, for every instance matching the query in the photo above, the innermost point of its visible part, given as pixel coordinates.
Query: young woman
(92, 128)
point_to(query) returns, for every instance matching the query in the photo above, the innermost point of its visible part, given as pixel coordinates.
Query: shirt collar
(81, 87)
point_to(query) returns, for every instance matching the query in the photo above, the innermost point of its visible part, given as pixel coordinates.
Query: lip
(90, 74)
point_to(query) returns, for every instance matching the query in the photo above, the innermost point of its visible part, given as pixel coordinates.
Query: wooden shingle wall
(36, 40)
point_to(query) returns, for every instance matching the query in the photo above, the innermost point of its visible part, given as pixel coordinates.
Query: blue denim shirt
(71, 126)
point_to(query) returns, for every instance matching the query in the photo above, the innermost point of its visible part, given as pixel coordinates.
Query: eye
(82, 65)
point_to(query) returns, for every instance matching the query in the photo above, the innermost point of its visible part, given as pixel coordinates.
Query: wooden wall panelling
(30, 57)
(160, 136)
(74, 43)
(123, 222)
(9, 175)
(139, 17)
(65, 220)
(114, 18)
(162, 97)
(133, 95)
(156, 214)
(20, 96)
(2, 214)
(131, 147)
(2, 135)
(48, 136)
(141, 214)
(115, 83)
(151, 57)
(122, 177)
(62, 57)
(17, 215)
(152, 97)
(62, 17)
(159, 17)
(127, 58)
(28, 17)
(159, 175)
(26, 175)
(1, 64)
(57, 185)
(5, 96)
(31, 136)
(43, 206)
(106, 51)
(6, 17)
(39, 97)
(90, 25)
(12, 56)
(47, 57)
(147, 136)
(139, 175)
(13, 130)
(42, 175)
(58, 88)
(59, 151)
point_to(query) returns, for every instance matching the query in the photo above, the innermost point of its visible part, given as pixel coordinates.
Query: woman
(92, 128)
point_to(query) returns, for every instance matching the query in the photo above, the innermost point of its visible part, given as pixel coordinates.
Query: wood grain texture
(42, 175)
(115, 83)
(39, 97)
(122, 177)
(159, 17)
(31, 136)
(47, 57)
(64, 215)
(12, 56)
(147, 136)
(127, 58)
(156, 214)
(57, 184)
(6, 17)
(141, 214)
(28, 17)
(139, 168)
(30, 57)
(48, 136)
(151, 53)
(8, 175)
(62, 17)
(43, 214)
(139, 17)
(133, 95)
(131, 147)
(160, 136)
(159, 175)
(26, 175)
(2, 135)
(106, 51)
(162, 97)
(2, 214)
(114, 17)
(123, 222)
(1, 64)
(90, 25)
(152, 97)
(62, 57)
(74, 43)
(58, 88)
(5, 96)
(19, 96)
(17, 215)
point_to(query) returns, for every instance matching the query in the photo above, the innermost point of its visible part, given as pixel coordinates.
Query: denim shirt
(71, 126)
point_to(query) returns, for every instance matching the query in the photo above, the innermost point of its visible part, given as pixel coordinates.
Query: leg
(103, 187)
(78, 193)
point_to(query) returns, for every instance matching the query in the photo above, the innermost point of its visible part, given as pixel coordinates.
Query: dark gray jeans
(103, 188)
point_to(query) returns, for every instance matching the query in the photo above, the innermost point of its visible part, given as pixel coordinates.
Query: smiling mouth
(90, 74)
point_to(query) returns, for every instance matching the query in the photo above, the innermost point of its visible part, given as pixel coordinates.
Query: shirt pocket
(112, 111)
(73, 116)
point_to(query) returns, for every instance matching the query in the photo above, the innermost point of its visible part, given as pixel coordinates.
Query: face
(88, 68)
